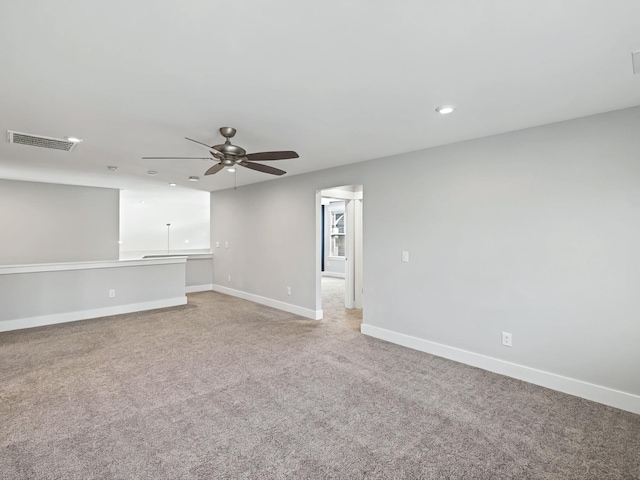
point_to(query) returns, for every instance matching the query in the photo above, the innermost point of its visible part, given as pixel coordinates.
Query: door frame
(353, 197)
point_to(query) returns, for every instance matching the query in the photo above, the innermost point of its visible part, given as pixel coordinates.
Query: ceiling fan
(230, 155)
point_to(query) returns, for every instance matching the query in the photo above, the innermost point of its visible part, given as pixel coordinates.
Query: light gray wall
(199, 271)
(271, 230)
(48, 223)
(26, 295)
(534, 232)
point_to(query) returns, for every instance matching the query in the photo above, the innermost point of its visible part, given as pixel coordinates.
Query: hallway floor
(333, 303)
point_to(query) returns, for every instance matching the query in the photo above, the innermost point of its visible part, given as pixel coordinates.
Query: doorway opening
(339, 237)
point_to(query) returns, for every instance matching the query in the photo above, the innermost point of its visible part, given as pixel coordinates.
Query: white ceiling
(337, 81)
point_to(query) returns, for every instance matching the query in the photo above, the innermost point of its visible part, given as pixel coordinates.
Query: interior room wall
(144, 214)
(73, 291)
(533, 232)
(48, 223)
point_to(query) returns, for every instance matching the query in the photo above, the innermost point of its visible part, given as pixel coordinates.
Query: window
(337, 221)
(336, 248)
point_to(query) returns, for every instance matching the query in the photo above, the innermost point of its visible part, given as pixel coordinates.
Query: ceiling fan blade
(176, 158)
(262, 168)
(215, 169)
(196, 141)
(203, 144)
(263, 156)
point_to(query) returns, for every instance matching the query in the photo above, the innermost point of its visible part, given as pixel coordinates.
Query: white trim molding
(58, 267)
(341, 194)
(199, 288)
(333, 274)
(597, 393)
(269, 302)
(43, 320)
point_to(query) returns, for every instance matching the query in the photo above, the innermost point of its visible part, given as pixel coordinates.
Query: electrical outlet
(226, 244)
(229, 278)
(217, 244)
(405, 257)
(112, 293)
(506, 339)
(288, 290)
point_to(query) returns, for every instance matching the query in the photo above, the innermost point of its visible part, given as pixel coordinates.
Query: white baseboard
(287, 307)
(199, 288)
(596, 393)
(42, 320)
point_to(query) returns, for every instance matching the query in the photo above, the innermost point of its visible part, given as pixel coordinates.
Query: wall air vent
(40, 141)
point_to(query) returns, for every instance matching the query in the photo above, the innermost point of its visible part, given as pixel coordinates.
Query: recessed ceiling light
(444, 109)
(112, 168)
(152, 172)
(172, 184)
(231, 169)
(194, 178)
(74, 139)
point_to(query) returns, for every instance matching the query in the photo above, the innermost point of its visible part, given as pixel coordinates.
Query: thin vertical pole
(168, 227)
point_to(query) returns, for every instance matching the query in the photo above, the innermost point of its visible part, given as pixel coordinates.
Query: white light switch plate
(405, 256)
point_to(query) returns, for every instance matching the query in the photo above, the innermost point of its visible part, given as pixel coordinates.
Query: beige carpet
(224, 388)
(333, 298)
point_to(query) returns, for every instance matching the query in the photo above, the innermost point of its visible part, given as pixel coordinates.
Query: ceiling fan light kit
(230, 155)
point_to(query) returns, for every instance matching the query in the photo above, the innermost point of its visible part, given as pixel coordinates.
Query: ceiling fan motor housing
(228, 149)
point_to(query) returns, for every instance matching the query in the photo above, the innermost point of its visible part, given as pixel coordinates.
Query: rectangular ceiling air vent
(635, 58)
(40, 141)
